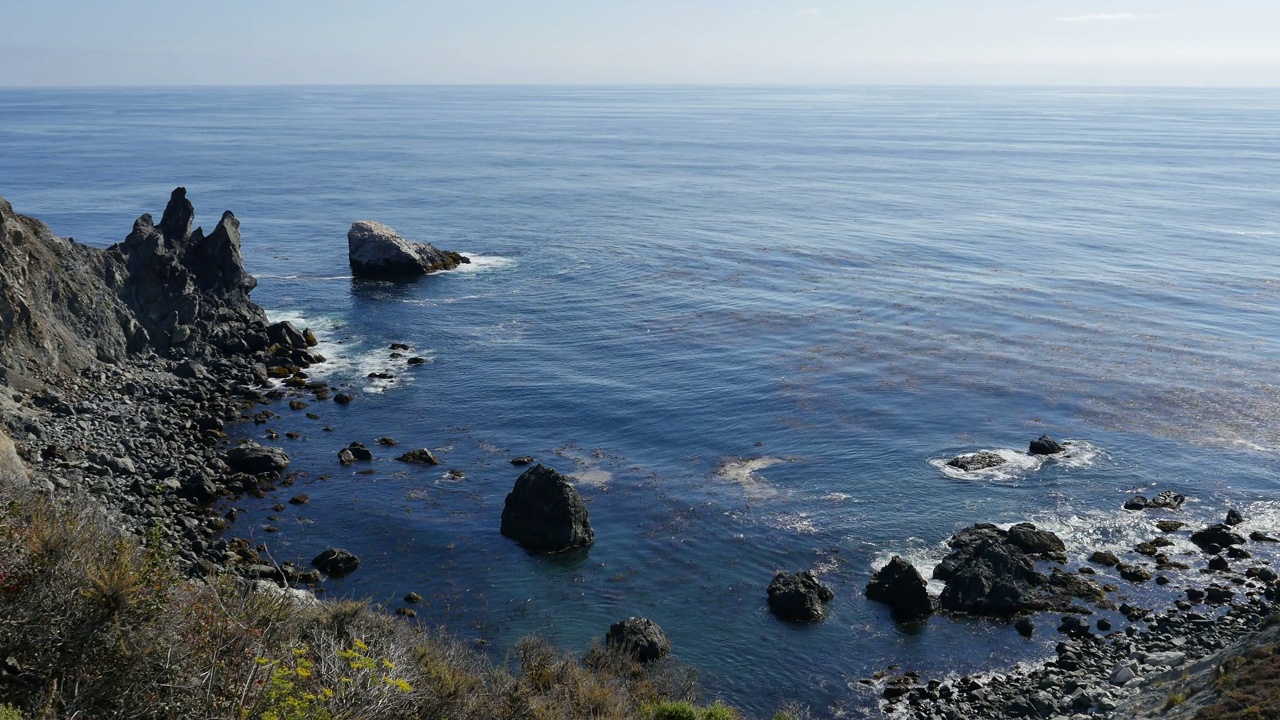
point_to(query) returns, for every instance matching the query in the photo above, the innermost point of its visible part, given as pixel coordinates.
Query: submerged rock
(421, 456)
(1044, 445)
(544, 513)
(981, 460)
(798, 596)
(376, 250)
(641, 638)
(900, 586)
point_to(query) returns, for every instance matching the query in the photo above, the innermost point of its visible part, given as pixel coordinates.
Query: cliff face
(164, 289)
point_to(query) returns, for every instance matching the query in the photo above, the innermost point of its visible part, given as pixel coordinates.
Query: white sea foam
(745, 473)
(348, 356)
(1018, 464)
(481, 263)
(594, 477)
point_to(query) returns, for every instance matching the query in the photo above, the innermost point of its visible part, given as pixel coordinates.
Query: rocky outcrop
(798, 597)
(544, 513)
(991, 572)
(976, 461)
(420, 456)
(1167, 500)
(165, 289)
(1216, 537)
(1045, 445)
(641, 638)
(378, 251)
(900, 586)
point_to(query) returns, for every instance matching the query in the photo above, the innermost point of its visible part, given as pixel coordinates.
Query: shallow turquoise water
(745, 319)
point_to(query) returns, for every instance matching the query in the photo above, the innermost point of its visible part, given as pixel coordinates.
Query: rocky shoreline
(123, 369)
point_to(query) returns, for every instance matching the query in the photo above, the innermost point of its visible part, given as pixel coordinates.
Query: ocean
(751, 323)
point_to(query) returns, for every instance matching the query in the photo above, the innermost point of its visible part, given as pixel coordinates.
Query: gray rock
(1121, 674)
(544, 513)
(641, 638)
(1044, 445)
(376, 250)
(976, 461)
(256, 459)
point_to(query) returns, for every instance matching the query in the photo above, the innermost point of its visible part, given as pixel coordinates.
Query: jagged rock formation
(899, 585)
(164, 289)
(376, 250)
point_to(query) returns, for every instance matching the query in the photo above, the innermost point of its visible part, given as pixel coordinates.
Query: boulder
(798, 596)
(641, 638)
(336, 562)
(256, 459)
(1234, 517)
(976, 461)
(544, 513)
(1103, 557)
(900, 586)
(522, 460)
(1168, 500)
(1220, 535)
(376, 250)
(421, 456)
(990, 577)
(1036, 542)
(1044, 445)
(359, 451)
(285, 334)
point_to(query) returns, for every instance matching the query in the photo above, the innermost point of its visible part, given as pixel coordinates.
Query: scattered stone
(1102, 557)
(417, 361)
(413, 597)
(798, 597)
(343, 398)
(359, 452)
(406, 612)
(1025, 627)
(388, 441)
(1233, 517)
(522, 460)
(299, 500)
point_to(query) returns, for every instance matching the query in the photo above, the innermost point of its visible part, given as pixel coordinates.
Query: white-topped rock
(377, 250)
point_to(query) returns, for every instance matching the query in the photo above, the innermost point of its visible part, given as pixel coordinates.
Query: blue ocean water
(750, 322)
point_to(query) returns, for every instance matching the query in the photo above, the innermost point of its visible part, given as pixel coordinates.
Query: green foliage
(9, 712)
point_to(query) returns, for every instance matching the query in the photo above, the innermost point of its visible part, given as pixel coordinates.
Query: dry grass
(1249, 687)
(98, 625)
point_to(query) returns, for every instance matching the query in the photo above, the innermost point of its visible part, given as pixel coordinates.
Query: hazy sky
(1107, 42)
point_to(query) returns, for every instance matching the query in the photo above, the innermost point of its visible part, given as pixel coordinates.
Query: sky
(931, 42)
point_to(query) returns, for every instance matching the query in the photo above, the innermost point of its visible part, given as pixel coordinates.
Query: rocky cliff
(165, 289)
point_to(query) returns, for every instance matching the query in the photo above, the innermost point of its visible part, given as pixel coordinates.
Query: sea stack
(545, 514)
(376, 250)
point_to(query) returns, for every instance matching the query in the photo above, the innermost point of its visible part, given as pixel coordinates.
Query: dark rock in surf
(798, 597)
(544, 513)
(1234, 517)
(976, 461)
(1102, 557)
(1037, 542)
(1168, 500)
(522, 460)
(900, 586)
(1220, 535)
(640, 638)
(1044, 445)
(336, 562)
(378, 251)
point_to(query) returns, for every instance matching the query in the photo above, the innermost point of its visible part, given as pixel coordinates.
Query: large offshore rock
(798, 596)
(1044, 445)
(973, 462)
(376, 250)
(544, 513)
(336, 562)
